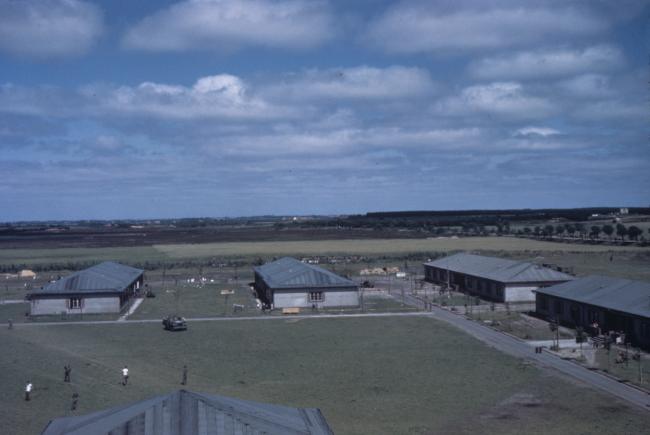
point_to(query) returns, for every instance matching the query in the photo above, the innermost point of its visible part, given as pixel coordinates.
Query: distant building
(103, 288)
(187, 413)
(492, 278)
(288, 283)
(613, 304)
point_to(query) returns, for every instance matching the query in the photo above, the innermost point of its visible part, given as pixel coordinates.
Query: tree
(634, 232)
(595, 231)
(580, 228)
(548, 230)
(570, 229)
(527, 230)
(559, 230)
(621, 231)
(608, 230)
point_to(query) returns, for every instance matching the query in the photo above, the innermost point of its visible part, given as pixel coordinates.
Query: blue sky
(155, 109)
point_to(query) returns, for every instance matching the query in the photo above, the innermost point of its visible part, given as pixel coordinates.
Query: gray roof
(617, 294)
(107, 277)
(288, 272)
(499, 269)
(184, 412)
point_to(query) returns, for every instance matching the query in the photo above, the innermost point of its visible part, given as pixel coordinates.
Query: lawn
(372, 247)
(367, 375)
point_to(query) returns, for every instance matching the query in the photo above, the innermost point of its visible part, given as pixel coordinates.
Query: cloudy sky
(144, 109)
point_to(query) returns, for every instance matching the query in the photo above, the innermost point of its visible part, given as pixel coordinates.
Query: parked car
(174, 323)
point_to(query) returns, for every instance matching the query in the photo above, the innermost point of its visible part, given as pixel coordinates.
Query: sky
(218, 108)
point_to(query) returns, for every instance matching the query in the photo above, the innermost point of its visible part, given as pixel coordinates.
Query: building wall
(520, 293)
(91, 305)
(484, 288)
(573, 314)
(348, 297)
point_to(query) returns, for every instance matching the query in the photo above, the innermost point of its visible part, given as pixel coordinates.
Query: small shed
(287, 283)
(103, 288)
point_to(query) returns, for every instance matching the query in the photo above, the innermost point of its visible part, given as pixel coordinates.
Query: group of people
(67, 370)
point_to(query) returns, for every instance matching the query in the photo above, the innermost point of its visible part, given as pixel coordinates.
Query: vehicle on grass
(174, 323)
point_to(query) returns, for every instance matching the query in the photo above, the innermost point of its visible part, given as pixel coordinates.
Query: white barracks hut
(491, 278)
(103, 288)
(289, 283)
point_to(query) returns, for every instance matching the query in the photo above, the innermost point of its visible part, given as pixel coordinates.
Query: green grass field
(377, 247)
(368, 376)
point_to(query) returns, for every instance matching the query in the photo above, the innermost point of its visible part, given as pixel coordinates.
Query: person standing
(28, 391)
(66, 373)
(184, 379)
(125, 375)
(75, 400)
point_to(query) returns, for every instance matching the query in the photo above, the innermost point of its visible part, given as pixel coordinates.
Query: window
(315, 296)
(75, 303)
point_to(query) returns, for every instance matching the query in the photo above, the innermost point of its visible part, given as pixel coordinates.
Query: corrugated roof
(618, 294)
(107, 277)
(499, 269)
(288, 272)
(184, 412)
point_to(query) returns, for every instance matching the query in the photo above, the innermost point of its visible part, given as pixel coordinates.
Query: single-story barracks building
(492, 278)
(289, 283)
(185, 412)
(103, 288)
(614, 304)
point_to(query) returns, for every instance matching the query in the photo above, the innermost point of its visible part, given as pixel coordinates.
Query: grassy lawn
(519, 325)
(629, 371)
(373, 247)
(192, 301)
(368, 376)
(379, 246)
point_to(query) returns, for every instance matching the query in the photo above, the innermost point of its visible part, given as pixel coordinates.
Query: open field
(374, 247)
(380, 376)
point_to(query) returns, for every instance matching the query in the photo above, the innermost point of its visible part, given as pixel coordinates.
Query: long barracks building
(614, 304)
(492, 278)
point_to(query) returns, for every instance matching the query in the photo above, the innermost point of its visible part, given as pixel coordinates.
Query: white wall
(90, 306)
(289, 299)
(520, 293)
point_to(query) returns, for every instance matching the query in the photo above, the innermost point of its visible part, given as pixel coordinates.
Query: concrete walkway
(225, 319)
(134, 306)
(521, 349)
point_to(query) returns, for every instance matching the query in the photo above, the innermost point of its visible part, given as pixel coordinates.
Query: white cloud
(361, 82)
(536, 131)
(304, 142)
(587, 86)
(416, 28)
(506, 99)
(226, 25)
(48, 28)
(548, 63)
(218, 96)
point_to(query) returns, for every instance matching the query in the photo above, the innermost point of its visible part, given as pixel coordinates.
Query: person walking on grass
(66, 373)
(125, 375)
(184, 379)
(28, 391)
(75, 401)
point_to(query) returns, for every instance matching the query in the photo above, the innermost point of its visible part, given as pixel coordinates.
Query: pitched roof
(184, 412)
(107, 277)
(499, 269)
(618, 294)
(288, 272)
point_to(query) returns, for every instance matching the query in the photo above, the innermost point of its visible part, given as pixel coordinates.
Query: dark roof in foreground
(106, 277)
(617, 294)
(499, 269)
(288, 272)
(187, 413)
